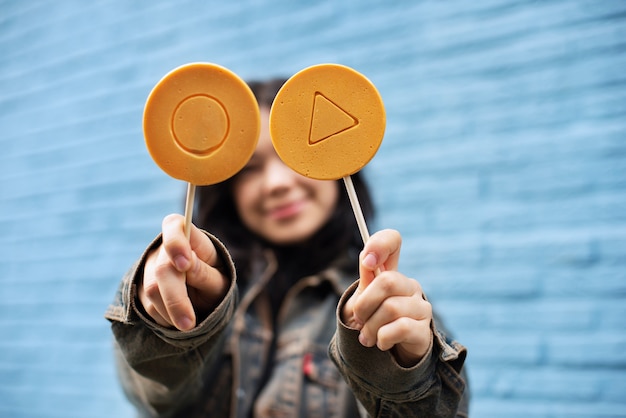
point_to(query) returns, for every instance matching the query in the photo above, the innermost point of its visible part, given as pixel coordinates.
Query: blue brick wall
(504, 166)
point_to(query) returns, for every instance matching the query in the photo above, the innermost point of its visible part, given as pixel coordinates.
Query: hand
(389, 308)
(181, 278)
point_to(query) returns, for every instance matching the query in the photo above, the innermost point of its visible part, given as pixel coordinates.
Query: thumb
(381, 252)
(369, 268)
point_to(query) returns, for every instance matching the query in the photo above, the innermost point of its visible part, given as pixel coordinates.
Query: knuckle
(395, 235)
(161, 270)
(151, 290)
(428, 308)
(393, 307)
(405, 325)
(385, 338)
(358, 309)
(391, 236)
(176, 304)
(423, 309)
(386, 282)
(170, 219)
(417, 287)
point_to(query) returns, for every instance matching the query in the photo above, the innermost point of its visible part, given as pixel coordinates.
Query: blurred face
(276, 202)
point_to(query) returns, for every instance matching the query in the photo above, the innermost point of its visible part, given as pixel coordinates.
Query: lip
(286, 211)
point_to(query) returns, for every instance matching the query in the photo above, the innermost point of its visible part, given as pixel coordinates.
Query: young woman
(262, 316)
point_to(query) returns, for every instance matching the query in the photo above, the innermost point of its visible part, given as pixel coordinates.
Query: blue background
(503, 165)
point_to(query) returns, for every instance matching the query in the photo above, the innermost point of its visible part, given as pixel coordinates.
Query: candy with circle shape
(201, 123)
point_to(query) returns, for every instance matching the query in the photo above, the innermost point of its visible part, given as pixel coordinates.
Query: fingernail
(363, 340)
(181, 263)
(370, 261)
(185, 323)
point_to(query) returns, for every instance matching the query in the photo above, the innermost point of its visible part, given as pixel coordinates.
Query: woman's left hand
(389, 308)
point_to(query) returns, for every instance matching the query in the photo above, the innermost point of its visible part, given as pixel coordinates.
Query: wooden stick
(356, 208)
(358, 212)
(191, 194)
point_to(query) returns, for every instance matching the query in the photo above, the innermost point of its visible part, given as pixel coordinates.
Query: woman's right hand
(182, 281)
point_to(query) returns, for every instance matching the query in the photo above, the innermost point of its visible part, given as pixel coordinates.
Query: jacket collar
(338, 274)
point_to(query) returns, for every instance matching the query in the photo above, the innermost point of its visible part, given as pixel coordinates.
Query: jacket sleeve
(160, 368)
(435, 387)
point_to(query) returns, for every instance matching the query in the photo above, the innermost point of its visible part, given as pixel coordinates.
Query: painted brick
(596, 349)
(503, 166)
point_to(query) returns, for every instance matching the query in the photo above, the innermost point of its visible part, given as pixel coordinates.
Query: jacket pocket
(304, 383)
(322, 384)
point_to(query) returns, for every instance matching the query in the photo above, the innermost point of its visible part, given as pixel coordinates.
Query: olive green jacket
(237, 363)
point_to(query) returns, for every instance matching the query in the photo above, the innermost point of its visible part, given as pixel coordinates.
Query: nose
(277, 177)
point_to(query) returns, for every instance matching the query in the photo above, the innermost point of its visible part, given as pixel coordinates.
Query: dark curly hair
(216, 212)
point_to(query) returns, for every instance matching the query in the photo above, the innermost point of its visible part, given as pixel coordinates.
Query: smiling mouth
(287, 211)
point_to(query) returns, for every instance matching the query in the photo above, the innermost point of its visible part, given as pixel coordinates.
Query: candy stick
(191, 194)
(358, 212)
(356, 208)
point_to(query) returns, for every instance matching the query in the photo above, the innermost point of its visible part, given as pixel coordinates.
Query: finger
(179, 247)
(391, 310)
(175, 243)
(208, 283)
(167, 291)
(149, 293)
(412, 335)
(381, 252)
(153, 312)
(385, 247)
(387, 285)
(153, 304)
(204, 247)
(174, 294)
(394, 310)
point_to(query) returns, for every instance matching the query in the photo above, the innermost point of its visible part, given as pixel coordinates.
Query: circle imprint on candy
(201, 123)
(327, 121)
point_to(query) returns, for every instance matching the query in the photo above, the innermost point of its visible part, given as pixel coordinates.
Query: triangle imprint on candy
(328, 119)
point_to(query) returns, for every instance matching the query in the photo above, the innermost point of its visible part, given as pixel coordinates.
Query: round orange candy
(201, 123)
(327, 121)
